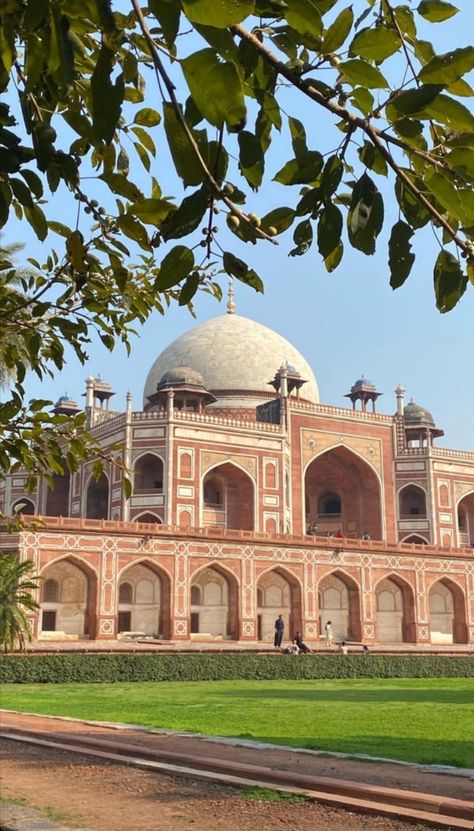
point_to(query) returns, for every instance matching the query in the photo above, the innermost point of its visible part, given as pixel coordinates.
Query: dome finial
(230, 297)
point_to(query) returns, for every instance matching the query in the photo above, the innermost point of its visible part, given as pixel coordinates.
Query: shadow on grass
(423, 695)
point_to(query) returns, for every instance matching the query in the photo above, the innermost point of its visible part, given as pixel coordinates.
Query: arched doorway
(214, 604)
(57, 497)
(97, 498)
(343, 492)
(228, 498)
(466, 521)
(278, 593)
(394, 611)
(144, 601)
(412, 502)
(24, 507)
(447, 610)
(415, 539)
(68, 600)
(148, 474)
(148, 517)
(339, 602)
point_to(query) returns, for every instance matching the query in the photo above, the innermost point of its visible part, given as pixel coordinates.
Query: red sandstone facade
(214, 541)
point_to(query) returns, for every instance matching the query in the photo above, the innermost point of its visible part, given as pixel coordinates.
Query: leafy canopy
(17, 582)
(97, 89)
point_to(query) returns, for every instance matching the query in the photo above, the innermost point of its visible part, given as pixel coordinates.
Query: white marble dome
(234, 355)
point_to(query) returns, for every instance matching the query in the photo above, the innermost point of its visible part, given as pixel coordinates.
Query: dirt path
(108, 797)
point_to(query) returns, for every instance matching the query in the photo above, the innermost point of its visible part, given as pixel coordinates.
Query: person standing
(279, 629)
(328, 632)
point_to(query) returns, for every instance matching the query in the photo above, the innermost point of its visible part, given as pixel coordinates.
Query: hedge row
(91, 668)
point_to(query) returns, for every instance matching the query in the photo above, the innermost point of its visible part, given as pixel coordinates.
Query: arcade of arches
(343, 492)
(69, 594)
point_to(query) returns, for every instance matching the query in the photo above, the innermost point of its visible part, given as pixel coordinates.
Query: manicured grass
(420, 720)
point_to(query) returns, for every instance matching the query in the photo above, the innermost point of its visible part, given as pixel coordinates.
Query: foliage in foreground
(61, 669)
(95, 91)
(16, 586)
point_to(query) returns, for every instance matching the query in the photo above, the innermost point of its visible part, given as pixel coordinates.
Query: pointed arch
(340, 602)
(148, 517)
(24, 506)
(218, 612)
(412, 501)
(340, 478)
(57, 497)
(394, 610)
(279, 591)
(234, 493)
(148, 473)
(465, 520)
(96, 498)
(416, 539)
(148, 607)
(71, 610)
(447, 612)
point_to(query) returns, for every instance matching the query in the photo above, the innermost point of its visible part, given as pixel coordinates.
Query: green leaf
(365, 217)
(358, 72)
(303, 15)
(436, 10)
(400, 256)
(449, 281)
(20, 191)
(280, 219)
(372, 158)
(34, 182)
(189, 289)
(147, 117)
(329, 229)
(237, 268)
(152, 211)
(37, 220)
(444, 69)
(375, 44)
(251, 159)
(461, 160)
(59, 228)
(133, 229)
(216, 89)
(332, 175)
(184, 157)
(298, 139)
(363, 100)
(222, 14)
(333, 259)
(107, 97)
(188, 216)
(414, 212)
(450, 112)
(461, 88)
(414, 100)
(338, 31)
(292, 173)
(303, 233)
(122, 186)
(175, 267)
(167, 13)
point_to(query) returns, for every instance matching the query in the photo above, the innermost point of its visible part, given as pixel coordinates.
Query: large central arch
(342, 491)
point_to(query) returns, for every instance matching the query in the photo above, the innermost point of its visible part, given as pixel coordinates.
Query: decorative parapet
(344, 412)
(151, 529)
(180, 415)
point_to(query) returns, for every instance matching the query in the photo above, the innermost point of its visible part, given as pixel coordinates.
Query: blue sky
(346, 324)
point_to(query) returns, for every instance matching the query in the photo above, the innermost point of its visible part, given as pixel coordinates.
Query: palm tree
(16, 585)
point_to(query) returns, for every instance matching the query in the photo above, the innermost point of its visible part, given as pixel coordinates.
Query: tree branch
(161, 72)
(354, 122)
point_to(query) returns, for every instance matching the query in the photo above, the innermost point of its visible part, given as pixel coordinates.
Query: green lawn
(420, 720)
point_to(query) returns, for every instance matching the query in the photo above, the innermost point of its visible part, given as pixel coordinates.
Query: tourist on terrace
(302, 647)
(328, 632)
(279, 629)
(365, 536)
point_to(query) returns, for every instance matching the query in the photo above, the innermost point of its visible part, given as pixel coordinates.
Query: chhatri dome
(236, 357)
